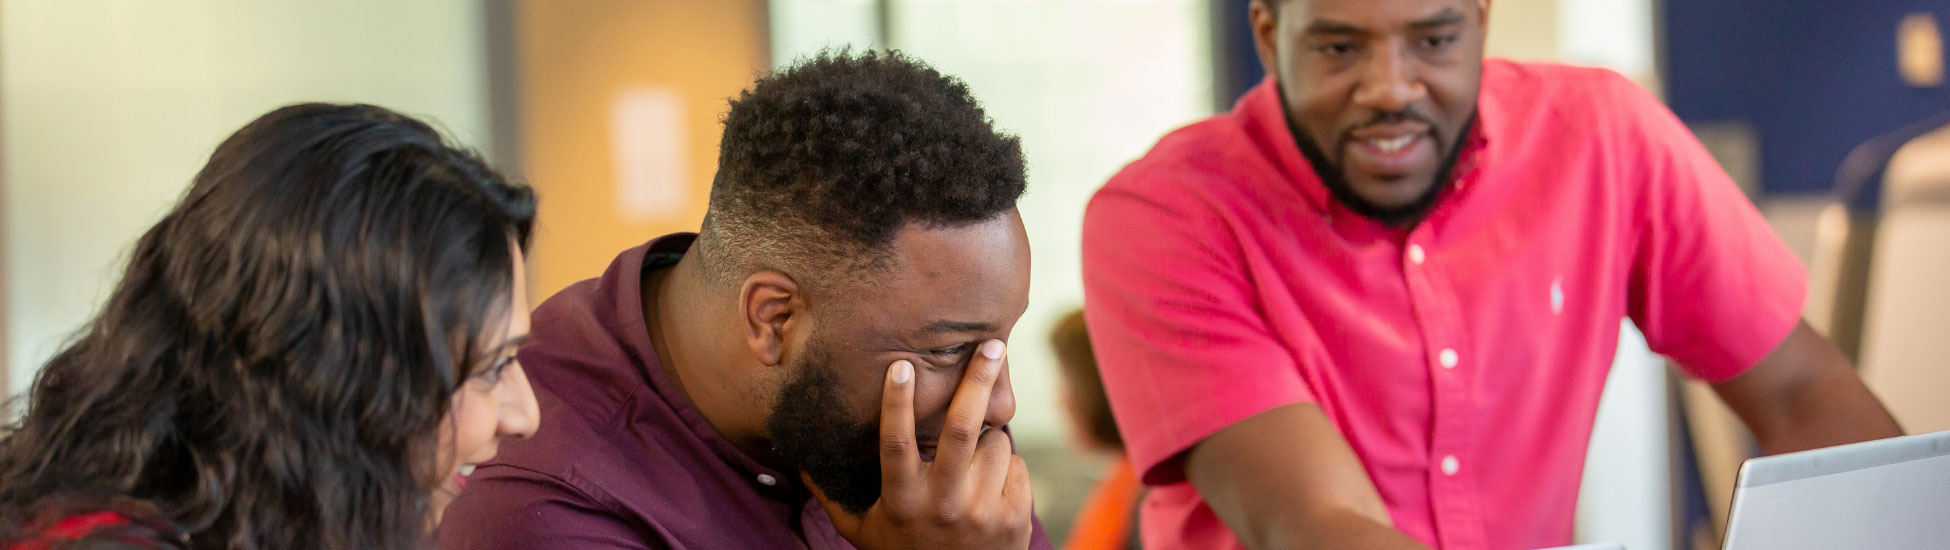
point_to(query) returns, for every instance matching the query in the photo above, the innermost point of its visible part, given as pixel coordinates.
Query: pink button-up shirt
(1462, 359)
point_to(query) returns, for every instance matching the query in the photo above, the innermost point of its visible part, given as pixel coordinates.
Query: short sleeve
(1712, 286)
(1176, 324)
(508, 508)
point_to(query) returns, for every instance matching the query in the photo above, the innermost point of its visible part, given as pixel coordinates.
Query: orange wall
(574, 58)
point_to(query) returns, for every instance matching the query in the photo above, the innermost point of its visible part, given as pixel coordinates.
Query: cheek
(471, 423)
(1318, 112)
(1456, 87)
(444, 457)
(933, 392)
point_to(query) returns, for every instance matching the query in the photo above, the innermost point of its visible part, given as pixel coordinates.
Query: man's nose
(1002, 400)
(1390, 81)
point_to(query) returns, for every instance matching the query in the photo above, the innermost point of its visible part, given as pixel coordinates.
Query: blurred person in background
(1374, 306)
(820, 366)
(1108, 520)
(304, 353)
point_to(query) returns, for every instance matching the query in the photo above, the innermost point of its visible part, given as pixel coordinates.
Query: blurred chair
(1847, 238)
(1877, 272)
(1899, 250)
(1876, 261)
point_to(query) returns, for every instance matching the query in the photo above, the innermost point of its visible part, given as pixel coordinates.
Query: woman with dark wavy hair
(305, 353)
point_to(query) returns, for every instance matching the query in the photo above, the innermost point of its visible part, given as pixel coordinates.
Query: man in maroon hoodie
(821, 366)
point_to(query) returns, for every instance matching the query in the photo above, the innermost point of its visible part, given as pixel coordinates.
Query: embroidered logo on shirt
(1557, 295)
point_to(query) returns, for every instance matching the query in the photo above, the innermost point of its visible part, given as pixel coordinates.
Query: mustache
(1393, 117)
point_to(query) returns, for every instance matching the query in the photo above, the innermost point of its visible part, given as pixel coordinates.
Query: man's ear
(768, 303)
(1260, 16)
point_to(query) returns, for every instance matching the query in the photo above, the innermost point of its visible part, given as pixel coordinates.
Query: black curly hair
(822, 163)
(274, 366)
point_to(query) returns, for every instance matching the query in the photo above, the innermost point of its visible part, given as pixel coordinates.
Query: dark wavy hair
(275, 364)
(823, 162)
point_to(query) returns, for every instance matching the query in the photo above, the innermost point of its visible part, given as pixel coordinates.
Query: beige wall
(1524, 29)
(599, 74)
(107, 108)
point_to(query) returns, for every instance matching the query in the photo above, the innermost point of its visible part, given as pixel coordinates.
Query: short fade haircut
(823, 162)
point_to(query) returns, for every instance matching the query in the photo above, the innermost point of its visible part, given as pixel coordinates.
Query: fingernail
(992, 349)
(903, 371)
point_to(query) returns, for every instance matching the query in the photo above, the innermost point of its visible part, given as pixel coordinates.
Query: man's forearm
(1806, 395)
(1834, 409)
(1350, 531)
(1331, 530)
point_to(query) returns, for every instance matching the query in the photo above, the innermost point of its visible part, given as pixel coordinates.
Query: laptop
(1889, 494)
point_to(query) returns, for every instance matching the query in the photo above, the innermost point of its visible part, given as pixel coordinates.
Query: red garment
(72, 528)
(1462, 359)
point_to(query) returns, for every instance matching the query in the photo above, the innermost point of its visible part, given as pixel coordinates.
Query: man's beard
(1335, 178)
(810, 427)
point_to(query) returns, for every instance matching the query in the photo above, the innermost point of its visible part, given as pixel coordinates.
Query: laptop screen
(1891, 494)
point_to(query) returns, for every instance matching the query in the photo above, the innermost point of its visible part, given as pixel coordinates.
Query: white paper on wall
(648, 152)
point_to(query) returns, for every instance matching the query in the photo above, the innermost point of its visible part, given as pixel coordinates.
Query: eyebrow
(945, 326)
(1446, 17)
(1329, 26)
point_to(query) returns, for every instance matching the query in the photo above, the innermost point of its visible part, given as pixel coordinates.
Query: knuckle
(896, 443)
(982, 520)
(993, 461)
(962, 433)
(946, 513)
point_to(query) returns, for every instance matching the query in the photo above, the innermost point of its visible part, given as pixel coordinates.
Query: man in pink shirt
(1374, 305)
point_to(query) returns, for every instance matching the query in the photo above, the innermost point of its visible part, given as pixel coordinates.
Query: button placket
(1450, 403)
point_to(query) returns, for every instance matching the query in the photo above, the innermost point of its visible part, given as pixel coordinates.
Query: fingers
(962, 431)
(900, 458)
(1017, 502)
(991, 469)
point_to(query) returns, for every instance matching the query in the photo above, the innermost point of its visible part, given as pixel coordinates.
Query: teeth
(467, 470)
(1391, 145)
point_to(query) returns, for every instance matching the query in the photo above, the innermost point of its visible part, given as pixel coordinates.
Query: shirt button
(1450, 465)
(1448, 358)
(1415, 254)
(767, 479)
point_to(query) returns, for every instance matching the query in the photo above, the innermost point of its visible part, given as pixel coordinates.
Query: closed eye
(492, 374)
(949, 351)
